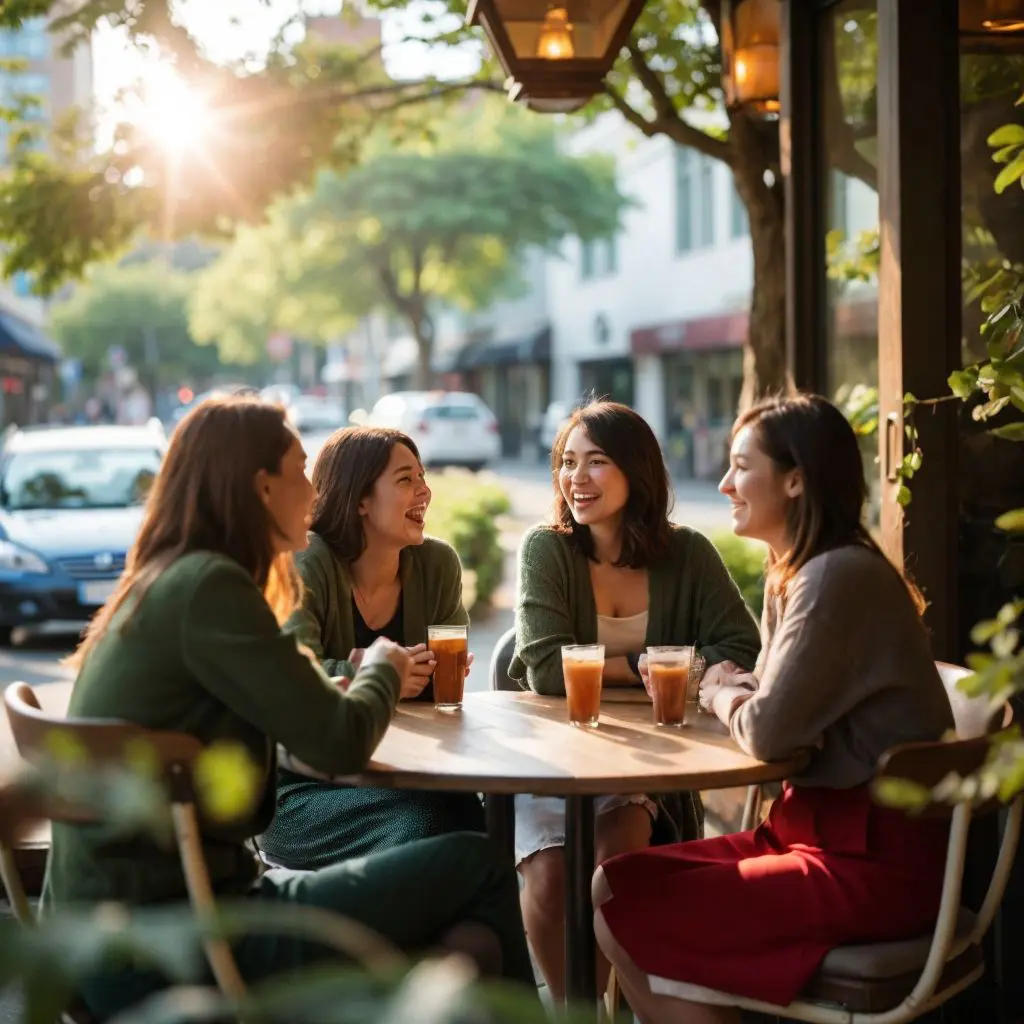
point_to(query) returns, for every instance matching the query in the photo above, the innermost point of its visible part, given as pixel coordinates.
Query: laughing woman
(369, 572)
(612, 569)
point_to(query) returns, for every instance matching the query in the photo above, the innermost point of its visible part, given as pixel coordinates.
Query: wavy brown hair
(349, 464)
(205, 499)
(627, 439)
(808, 433)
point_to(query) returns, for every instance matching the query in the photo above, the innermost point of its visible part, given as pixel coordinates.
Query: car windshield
(89, 478)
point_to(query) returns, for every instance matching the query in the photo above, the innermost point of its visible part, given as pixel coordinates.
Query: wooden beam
(801, 144)
(919, 290)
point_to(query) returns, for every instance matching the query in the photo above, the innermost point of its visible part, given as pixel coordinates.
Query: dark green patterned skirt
(319, 824)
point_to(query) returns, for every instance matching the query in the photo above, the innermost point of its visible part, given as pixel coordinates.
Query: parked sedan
(71, 501)
(453, 428)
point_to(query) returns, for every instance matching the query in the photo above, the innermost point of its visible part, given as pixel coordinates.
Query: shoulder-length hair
(204, 498)
(627, 439)
(808, 433)
(349, 464)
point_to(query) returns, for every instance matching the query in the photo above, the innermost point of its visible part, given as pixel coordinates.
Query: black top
(393, 630)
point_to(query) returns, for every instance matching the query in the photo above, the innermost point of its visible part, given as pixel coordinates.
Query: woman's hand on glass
(421, 669)
(645, 674)
(728, 673)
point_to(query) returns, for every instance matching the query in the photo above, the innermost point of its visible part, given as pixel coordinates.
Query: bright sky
(232, 30)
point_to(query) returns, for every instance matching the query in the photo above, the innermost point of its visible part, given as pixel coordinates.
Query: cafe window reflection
(849, 47)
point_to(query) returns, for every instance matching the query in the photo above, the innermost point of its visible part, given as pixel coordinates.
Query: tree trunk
(423, 331)
(755, 159)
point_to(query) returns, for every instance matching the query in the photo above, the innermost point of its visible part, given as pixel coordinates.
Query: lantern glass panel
(593, 24)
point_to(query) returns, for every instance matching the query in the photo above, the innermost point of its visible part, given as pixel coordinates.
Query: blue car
(71, 502)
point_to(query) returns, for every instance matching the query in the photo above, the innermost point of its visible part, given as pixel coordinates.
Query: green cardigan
(202, 653)
(431, 577)
(692, 599)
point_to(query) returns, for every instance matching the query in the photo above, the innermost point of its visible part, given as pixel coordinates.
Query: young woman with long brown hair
(369, 571)
(191, 642)
(845, 670)
(611, 568)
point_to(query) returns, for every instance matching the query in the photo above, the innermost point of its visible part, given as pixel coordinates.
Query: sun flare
(174, 114)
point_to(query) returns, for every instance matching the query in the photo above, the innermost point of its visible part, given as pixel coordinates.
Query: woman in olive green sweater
(612, 569)
(369, 571)
(191, 642)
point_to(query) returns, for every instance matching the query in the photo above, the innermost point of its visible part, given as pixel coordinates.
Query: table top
(508, 742)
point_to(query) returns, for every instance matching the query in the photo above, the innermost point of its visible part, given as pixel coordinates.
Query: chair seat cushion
(872, 978)
(880, 960)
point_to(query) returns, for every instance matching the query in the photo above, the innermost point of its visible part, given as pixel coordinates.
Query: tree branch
(676, 129)
(664, 108)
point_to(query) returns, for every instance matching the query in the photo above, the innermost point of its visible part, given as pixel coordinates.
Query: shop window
(695, 201)
(599, 258)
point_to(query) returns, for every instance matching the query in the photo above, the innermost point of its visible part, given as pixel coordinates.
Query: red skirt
(755, 913)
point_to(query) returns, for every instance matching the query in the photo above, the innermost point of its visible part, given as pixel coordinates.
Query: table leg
(500, 812)
(580, 980)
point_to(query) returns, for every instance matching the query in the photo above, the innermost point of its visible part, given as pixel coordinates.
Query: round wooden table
(503, 743)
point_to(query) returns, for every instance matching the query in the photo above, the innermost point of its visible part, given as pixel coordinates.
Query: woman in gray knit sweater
(846, 672)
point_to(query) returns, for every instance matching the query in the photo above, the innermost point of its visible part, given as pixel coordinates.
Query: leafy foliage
(464, 511)
(142, 308)
(745, 561)
(414, 226)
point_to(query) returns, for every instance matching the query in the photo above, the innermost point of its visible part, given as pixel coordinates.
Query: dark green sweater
(692, 599)
(202, 653)
(431, 578)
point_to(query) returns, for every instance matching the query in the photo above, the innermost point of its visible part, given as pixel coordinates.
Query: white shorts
(540, 820)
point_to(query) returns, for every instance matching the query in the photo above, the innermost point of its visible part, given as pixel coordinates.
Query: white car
(453, 428)
(309, 413)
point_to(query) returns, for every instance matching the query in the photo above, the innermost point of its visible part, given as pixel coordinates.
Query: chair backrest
(973, 716)
(501, 659)
(111, 742)
(103, 742)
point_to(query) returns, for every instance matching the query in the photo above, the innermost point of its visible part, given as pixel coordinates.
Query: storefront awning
(533, 348)
(19, 338)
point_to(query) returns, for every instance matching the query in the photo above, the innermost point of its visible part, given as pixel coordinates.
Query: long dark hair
(349, 464)
(627, 439)
(808, 433)
(204, 499)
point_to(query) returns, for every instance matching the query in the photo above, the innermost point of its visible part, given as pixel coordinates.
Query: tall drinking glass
(450, 647)
(675, 675)
(583, 669)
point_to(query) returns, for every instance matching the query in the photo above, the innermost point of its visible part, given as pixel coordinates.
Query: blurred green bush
(463, 511)
(745, 561)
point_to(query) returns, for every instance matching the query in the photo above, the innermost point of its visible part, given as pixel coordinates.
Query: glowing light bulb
(555, 41)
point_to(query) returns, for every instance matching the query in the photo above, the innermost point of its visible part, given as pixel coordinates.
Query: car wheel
(475, 467)
(6, 636)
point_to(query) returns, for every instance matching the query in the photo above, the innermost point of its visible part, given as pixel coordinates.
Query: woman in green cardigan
(191, 642)
(612, 569)
(369, 571)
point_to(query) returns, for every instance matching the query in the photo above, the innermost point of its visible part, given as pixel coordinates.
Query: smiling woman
(369, 571)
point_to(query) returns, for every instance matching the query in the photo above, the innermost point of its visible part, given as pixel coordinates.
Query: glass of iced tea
(450, 647)
(675, 674)
(582, 669)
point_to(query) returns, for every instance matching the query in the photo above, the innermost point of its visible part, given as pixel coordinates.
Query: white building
(657, 316)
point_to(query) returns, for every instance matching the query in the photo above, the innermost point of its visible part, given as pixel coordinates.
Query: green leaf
(1007, 135)
(1010, 174)
(983, 632)
(963, 383)
(1012, 522)
(902, 794)
(1004, 154)
(903, 495)
(1011, 432)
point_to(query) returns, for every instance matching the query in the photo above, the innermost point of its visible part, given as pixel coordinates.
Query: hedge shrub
(745, 561)
(463, 512)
